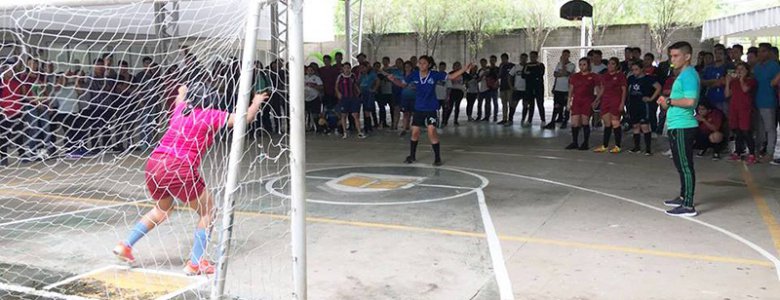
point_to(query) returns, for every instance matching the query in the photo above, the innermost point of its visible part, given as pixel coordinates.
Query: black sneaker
(549, 126)
(775, 162)
(701, 153)
(648, 153)
(682, 211)
(635, 150)
(409, 160)
(501, 122)
(584, 147)
(716, 156)
(572, 146)
(563, 125)
(674, 202)
(437, 163)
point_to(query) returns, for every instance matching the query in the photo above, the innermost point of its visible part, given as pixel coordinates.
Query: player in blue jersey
(426, 104)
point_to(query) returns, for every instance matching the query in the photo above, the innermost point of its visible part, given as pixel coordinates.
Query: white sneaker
(667, 153)
(361, 136)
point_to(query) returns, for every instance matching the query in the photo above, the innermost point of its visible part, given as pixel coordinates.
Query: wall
(515, 42)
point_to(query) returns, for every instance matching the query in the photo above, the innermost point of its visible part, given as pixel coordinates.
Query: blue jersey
(765, 93)
(426, 101)
(715, 95)
(367, 81)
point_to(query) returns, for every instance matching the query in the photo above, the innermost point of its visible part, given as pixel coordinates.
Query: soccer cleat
(635, 150)
(409, 160)
(674, 202)
(203, 268)
(736, 157)
(437, 163)
(572, 146)
(716, 156)
(614, 150)
(600, 149)
(124, 253)
(584, 147)
(682, 211)
(751, 160)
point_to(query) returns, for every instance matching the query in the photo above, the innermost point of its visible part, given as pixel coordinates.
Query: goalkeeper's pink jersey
(189, 137)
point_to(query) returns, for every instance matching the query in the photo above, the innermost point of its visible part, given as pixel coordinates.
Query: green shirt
(686, 86)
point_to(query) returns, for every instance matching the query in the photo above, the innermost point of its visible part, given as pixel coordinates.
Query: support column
(236, 148)
(297, 149)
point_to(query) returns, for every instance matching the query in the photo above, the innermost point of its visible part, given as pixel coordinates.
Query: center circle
(382, 185)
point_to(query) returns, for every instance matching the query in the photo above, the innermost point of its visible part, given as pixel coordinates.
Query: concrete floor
(569, 224)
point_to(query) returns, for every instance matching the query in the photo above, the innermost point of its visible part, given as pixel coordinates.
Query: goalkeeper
(172, 169)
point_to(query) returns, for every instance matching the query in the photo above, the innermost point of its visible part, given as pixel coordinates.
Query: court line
(454, 187)
(39, 293)
(763, 209)
(124, 203)
(269, 186)
(730, 234)
(533, 240)
(496, 254)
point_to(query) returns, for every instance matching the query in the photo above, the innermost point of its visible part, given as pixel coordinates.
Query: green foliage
(480, 20)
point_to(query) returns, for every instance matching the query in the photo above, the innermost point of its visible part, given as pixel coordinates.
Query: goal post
(550, 56)
(236, 147)
(96, 91)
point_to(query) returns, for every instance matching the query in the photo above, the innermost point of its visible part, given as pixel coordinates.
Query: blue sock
(136, 234)
(199, 245)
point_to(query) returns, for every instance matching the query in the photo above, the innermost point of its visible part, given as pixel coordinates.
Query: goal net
(87, 93)
(550, 56)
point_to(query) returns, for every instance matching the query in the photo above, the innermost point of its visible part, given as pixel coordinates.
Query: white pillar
(236, 147)
(297, 147)
(582, 37)
(348, 31)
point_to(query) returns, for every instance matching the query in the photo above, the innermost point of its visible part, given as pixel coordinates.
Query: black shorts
(384, 99)
(561, 98)
(517, 96)
(314, 106)
(425, 119)
(638, 112)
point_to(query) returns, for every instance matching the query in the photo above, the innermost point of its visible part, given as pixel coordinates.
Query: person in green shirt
(681, 106)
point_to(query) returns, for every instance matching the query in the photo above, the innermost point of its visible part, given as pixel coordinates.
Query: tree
(666, 17)
(379, 18)
(537, 18)
(610, 12)
(432, 19)
(481, 20)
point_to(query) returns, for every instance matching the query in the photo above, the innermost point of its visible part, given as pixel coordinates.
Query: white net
(550, 56)
(87, 95)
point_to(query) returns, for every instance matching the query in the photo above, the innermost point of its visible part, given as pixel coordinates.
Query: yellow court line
(532, 240)
(763, 208)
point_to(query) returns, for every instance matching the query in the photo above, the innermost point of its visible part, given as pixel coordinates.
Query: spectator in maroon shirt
(329, 73)
(11, 102)
(710, 134)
